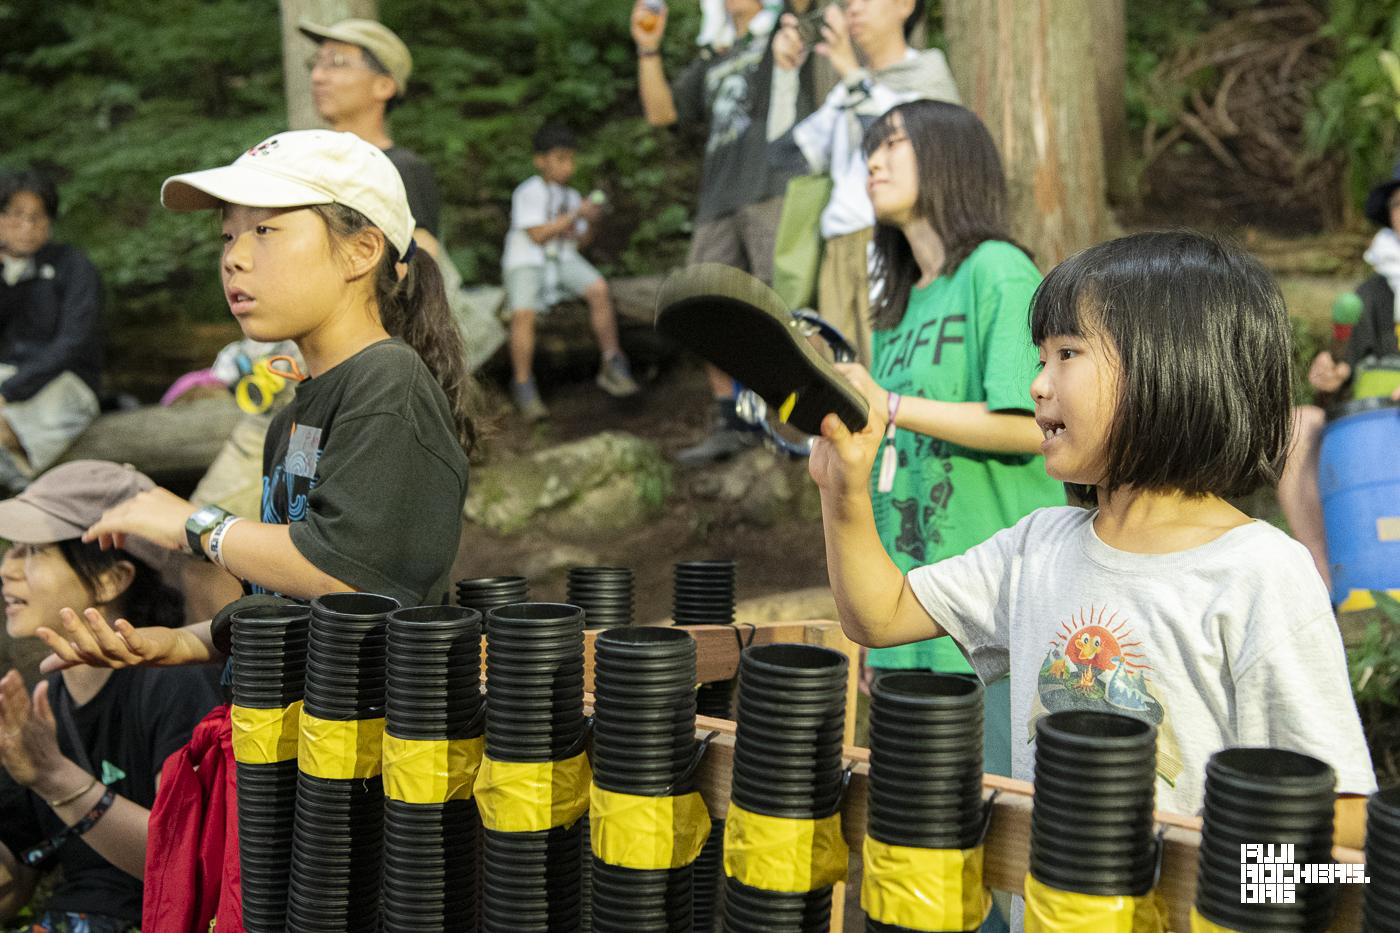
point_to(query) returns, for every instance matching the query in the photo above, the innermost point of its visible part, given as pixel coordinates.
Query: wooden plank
(1008, 838)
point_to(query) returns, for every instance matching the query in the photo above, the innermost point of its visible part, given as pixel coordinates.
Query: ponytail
(415, 310)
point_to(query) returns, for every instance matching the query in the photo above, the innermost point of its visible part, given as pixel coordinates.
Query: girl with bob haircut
(951, 365)
(365, 472)
(1163, 390)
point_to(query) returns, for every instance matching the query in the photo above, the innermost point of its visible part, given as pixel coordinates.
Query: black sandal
(735, 322)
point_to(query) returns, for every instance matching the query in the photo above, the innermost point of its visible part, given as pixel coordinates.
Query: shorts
(744, 239)
(539, 288)
(51, 420)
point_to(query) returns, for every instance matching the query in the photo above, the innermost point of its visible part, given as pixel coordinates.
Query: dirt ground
(673, 412)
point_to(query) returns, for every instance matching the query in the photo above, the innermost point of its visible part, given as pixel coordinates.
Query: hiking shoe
(722, 443)
(526, 396)
(615, 377)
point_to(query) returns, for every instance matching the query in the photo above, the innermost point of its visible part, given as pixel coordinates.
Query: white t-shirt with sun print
(1227, 644)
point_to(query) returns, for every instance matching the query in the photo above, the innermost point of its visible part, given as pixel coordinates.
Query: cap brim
(24, 523)
(318, 33)
(236, 184)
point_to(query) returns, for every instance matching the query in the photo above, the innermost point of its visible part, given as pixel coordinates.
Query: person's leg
(45, 425)
(758, 232)
(1297, 487)
(524, 288)
(601, 317)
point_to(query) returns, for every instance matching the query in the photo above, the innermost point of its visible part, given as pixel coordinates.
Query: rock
(763, 486)
(610, 481)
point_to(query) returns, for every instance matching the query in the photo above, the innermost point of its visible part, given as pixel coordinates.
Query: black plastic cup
(486, 593)
(532, 881)
(603, 593)
(1383, 859)
(751, 910)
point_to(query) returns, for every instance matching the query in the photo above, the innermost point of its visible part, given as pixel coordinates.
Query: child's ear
(113, 582)
(363, 252)
(384, 88)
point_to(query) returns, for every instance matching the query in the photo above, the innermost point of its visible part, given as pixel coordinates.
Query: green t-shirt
(964, 338)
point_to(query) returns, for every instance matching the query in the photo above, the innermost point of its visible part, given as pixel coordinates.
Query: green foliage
(1375, 662)
(1357, 110)
(1307, 343)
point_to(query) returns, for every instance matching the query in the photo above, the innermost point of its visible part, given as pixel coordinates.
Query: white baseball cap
(302, 168)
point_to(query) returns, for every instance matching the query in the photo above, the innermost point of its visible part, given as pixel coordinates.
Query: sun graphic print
(1096, 663)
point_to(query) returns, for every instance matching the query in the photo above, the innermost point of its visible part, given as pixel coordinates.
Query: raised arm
(876, 604)
(648, 28)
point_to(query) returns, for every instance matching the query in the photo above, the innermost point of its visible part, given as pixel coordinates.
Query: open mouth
(14, 603)
(1050, 428)
(239, 300)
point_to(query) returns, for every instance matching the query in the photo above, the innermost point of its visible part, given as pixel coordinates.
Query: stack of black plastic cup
(708, 884)
(925, 763)
(486, 593)
(269, 672)
(787, 763)
(1095, 784)
(337, 841)
(704, 595)
(1381, 907)
(534, 713)
(433, 694)
(603, 593)
(1272, 797)
(643, 745)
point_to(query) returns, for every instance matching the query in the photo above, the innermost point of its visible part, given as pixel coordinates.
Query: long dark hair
(148, 600)
(415, 310)
(962, 194)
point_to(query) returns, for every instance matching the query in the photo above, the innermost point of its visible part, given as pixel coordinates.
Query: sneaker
(526, 396)
(615, 377)
(722, 443)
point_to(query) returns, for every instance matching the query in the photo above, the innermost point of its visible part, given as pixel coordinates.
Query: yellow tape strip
(527, 797)
(1200, 924)
(265, 736)
(785, 409)
(647, 833)
(778, 854)
(431, 771)
(924, 889)
(340, 751)
(1050, 910)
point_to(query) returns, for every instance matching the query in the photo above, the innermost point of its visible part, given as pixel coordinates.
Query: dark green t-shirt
(964, 338)
(366, 468)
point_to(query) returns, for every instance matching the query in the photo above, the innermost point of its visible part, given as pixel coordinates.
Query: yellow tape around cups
(1200, 924)
(265, 736)
(431, 770)
(530, 796)
(779, 854)
(340, 751)
(1050, 910)
(924, 889)
(647, 833)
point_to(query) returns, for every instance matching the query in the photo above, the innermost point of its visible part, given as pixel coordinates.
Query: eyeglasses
(25, 220)
(335, 61)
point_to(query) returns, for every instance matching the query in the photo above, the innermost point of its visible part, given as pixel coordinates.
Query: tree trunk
(1111, 72)
(301, 112)
(1027, 68)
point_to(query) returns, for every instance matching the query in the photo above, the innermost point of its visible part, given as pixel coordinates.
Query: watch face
(205, 515)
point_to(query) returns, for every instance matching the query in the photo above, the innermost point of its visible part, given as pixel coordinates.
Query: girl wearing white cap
(365, 473)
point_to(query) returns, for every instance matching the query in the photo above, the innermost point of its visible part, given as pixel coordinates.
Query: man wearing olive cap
(359, 73)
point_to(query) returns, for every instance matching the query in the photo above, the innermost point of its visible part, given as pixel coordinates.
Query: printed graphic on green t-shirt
(964, 338)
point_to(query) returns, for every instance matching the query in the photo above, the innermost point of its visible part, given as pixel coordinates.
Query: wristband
(55, 804)
(647, 53)
(216, 540)
(46, 849)
(889, 458)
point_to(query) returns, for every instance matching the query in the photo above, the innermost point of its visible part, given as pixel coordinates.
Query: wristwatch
(201, 523)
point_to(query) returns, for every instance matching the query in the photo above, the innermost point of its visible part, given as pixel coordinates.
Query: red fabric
(192, 873)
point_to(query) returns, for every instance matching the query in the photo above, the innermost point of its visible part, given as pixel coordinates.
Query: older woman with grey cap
(81, 757)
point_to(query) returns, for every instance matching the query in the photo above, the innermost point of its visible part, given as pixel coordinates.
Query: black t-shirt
(419, 184)
(729, 92)
(366, 467)
(1376, 333)
(138, 718)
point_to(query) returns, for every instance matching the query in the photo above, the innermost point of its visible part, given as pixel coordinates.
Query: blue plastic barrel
(1359, 480)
